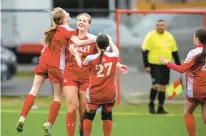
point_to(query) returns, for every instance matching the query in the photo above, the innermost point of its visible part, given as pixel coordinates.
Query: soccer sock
(190, 124)
(71, 123)
(107, 127)
(161, 98)
(28, 103)
(54, 111)
(153, 94)
(87, 127)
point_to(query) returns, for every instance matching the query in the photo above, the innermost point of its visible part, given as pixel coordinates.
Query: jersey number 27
(101, 68)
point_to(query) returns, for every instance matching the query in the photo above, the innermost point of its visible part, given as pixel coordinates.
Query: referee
(159, 42)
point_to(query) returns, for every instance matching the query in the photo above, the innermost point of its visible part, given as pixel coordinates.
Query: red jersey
(195, 76)
(73, 70)
(102, 87)
(56, 57)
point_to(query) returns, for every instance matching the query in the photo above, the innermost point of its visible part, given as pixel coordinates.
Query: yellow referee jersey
(159, 45)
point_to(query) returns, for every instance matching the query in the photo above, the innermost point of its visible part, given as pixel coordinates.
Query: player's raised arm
(113, 47)
(123, 68)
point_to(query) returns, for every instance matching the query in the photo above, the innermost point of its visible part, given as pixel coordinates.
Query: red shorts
(106, 106)
(42, 70)
(196, 100)
(82, 85)
(54, 74)
(70, 81)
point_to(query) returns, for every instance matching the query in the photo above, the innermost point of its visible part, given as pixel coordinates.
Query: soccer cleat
(20, 125)
(152, 109)
(47, 128)
(161, 111)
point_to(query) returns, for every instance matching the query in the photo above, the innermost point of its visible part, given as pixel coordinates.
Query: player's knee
(106, 115)
(34, 91)
(57, 98)
(89, 116)
(72, 107)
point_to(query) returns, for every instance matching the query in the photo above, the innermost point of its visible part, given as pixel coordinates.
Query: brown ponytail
(58, 16)
(101, 56)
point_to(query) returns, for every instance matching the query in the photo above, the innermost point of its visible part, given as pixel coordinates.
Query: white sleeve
(115, 54)
(190, 56)
(87, 60)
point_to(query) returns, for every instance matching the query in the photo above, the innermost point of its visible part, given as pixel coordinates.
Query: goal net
(131, 28)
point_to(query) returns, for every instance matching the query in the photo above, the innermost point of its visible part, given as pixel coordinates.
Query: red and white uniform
(52, 60)
(102, 90)
(73, 74)
(195, 77)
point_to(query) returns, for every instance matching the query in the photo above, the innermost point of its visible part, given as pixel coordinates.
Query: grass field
(128, 120)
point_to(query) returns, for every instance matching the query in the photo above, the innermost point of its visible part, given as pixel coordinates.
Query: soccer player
(76, 79)
(159, 42)
(102, 91)
(52, 63)
(195, 68)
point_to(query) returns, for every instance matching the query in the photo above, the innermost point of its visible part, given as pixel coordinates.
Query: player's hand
(147, 69)
(73, 51)
(164, 60)
(124, 69)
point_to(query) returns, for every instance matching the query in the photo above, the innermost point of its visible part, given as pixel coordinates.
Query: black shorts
(160, 74)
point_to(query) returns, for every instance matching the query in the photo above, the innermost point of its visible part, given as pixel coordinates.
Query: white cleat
(20, 125)
(47, 128)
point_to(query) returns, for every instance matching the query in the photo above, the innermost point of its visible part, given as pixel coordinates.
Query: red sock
(71, 123)
(190, 124)
(107, 127)
(54, 111)
(87, 127)
(28, 103)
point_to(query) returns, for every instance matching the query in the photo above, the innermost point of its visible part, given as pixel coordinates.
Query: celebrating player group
(78, 65)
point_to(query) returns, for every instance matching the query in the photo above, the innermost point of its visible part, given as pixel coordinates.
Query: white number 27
(101, 67)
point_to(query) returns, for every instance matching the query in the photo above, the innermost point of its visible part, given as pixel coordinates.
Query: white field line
(114, 113)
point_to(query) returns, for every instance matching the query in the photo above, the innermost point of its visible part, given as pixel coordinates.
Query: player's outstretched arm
(74, 52)
(179, 68)
(78, 42)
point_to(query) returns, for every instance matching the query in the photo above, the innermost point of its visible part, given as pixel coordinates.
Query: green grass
(128, 120)
(25, 74)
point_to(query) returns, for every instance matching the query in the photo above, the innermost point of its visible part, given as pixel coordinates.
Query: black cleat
(20, 126)
(161, 111)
